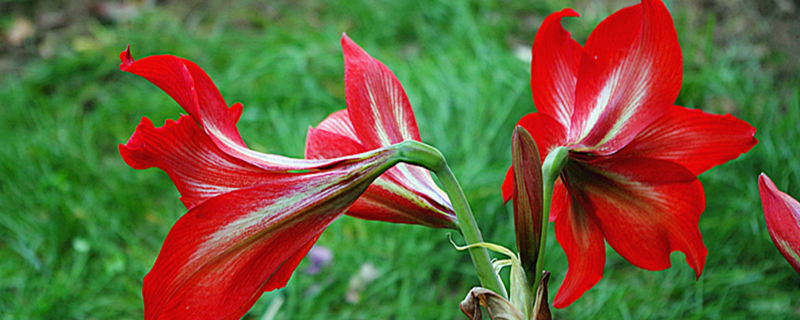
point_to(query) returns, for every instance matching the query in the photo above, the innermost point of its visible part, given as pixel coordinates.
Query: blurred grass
(79, 229)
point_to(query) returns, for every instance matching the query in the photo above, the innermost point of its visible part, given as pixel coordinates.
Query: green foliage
(79, 228)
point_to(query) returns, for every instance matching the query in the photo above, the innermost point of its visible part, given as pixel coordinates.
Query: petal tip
(698, 269)
(135, 141)
(346, 41)
(126, 58)
(236, 111)
(569, 12)
(764, 183)
(130, 150)
(507, 188)
(353, 53)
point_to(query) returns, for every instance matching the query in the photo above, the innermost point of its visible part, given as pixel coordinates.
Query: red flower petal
(194, 91)
(196, 166)
(782, 214)
(546, 132)
(191, 88)
(377, 104)
(388, 201)
(556, 208)
(220, 256)
(554, 69)
(334, 137)
(630, 75)
(397, 196)
(508, 185)
(582, 241)
(693, 139)
(378, 114)
(646, 208)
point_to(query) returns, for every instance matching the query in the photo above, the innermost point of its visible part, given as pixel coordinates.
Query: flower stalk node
(421, 154)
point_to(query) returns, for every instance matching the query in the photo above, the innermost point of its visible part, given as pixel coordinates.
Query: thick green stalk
(472, 234)
(421, 154)
(551, 169)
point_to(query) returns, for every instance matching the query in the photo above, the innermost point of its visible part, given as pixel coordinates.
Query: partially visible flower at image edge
(634, 157)
(782, 215)
(252, 216)
(379, 114)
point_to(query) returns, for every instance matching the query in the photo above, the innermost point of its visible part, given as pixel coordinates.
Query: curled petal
(191, 88)
(333, 137)
(782, 214)
(226, 251)
(377, 104)
(252, 216)
(582, 241)
(397, 196)
(630, 75)
(694, 139)
(194, 91)
(646, 208)
(378, 114)
(388, 201)
(554, 69)
(381, 115)
(196, 166)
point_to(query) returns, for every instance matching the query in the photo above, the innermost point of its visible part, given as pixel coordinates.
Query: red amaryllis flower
(252, 216)
(782, 214)
(634, 157)
(378, 114)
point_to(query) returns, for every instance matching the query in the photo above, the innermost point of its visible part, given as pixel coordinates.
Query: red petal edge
(196, 166)
(694, 139)
(217, 259)
(630, 75)
(583, 243)
(221, 255)
(193, 90)
(646, 208)
(394, 197)
(376, 101)
(554, 69)
(548, 134)
(782, 215)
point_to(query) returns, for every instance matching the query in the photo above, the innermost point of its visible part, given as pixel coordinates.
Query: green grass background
(79, 229)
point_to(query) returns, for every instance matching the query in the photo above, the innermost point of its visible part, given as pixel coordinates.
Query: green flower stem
(472, 234)
(551, 170)
(421, 154)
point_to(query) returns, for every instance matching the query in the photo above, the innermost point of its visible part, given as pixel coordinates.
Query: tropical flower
(782, 214)
(378, 114)
(252, 216)
(634, 157)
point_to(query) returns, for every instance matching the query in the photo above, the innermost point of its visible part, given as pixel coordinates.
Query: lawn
(79, 229)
